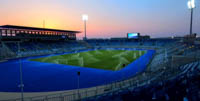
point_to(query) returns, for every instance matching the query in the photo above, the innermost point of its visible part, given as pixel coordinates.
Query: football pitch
(99, 59)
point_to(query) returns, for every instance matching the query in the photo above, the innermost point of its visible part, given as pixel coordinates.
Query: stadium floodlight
(191, 6)
(85, 18)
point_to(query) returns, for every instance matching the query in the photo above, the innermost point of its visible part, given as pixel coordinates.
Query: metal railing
(134, 82)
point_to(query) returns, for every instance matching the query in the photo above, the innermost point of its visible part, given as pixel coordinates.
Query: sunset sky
(107, 18)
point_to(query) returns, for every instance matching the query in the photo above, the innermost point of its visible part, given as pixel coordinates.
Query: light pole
(78, 73)
(191, 6)
(21, 73)
(85, 19)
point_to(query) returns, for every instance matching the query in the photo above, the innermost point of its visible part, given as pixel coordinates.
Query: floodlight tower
(85, 19)
(191, 6)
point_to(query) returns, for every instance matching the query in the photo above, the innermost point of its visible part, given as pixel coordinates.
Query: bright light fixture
(84, 17)
(191, 4)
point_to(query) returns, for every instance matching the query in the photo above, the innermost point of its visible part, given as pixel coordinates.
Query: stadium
(125, 50)
(41, 64)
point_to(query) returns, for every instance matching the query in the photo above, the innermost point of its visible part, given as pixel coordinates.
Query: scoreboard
(133, 35)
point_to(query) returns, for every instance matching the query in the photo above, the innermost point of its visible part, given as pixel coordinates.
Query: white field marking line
(92, 57)
(61, 60)
(56, 61)
(110, 51)
(44, 59)
(122, 61)
(140, 53)
(60, 57)
(78, 58)
(66, 60)
(75, 56)
(134, 55)
(118, 67)
(81, 62)
(121, 54)
(88, 54)
(98, 52)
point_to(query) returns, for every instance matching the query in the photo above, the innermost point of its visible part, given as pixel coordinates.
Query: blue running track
(44, 77)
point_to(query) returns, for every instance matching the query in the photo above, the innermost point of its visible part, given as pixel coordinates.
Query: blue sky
(107, 18)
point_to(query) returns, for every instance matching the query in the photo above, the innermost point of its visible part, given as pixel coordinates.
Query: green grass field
(100, 59)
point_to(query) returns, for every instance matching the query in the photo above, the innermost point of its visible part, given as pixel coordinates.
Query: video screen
(133, 35)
